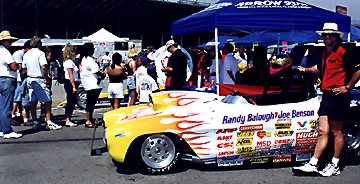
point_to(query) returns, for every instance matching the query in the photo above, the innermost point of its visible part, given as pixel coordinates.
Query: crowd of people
(25, 81)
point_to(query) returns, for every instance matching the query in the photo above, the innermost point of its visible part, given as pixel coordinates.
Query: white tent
(104, 36)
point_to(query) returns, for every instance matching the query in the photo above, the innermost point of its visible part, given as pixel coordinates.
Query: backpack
(61, 74)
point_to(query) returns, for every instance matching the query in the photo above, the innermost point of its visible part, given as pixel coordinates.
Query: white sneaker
(12, 135)
(307, 167)
(1, 134)
(330, 170)
(53, 126)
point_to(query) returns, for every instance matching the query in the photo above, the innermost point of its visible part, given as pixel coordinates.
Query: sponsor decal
(287, 143)
(306, 138)
(282, 158)
(245, 134)
(224, 138)
(262, 148)
(244, 149)
(283, 133)
(283, 141)
(263, 143)
(230, 162)
(282, 151)
(229, 120)
(303, 156)
(244, 141)
(263, 134)
(286, 125)
(250, 155)
(233, 157)
(302, 124)
(251, 127)
(283, 115)
(225, 145)
(259, 160)
(314, 125)
(296, 114)
(224, 131)
(272, 4)
(121, 135)
(261, 117)
(224, 153)
(302, 149)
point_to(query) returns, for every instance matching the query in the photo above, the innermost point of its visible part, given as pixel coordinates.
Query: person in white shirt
(8, 69)
(105, 61)
(71, 82)
(147, 85)
(142, 70)
(230, 65)
(38, 82)
(18, 57)
(91, 79)
(213, 66)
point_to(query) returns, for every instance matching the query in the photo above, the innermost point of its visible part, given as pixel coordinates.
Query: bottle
(213, 86)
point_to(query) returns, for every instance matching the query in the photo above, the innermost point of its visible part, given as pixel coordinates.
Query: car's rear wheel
(158, 153)
(81, 98)
(351, 132)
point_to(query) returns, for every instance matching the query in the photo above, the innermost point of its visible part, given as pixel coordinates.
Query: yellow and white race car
(207, 128)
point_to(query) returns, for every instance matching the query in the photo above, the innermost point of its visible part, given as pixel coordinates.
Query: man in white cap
(338, 74)
(176, 67)
(8, 67)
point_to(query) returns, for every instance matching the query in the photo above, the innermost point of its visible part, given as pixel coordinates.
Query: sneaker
(330, 170)
(12, 115)
(12, 135)
(307, 167)
(1, 134)
(52, 126)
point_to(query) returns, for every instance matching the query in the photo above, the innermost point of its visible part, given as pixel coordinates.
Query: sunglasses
(328, 34)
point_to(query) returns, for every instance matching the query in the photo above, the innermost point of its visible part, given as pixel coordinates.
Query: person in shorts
(38, 82)
(338, 74)
(130, 66)
(18, 57)
(116, 77)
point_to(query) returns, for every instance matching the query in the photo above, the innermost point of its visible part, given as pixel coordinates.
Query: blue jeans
(7, 90)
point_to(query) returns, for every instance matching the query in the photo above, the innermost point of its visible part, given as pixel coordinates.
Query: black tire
(81, 98)
(157, 154)
(351, 132)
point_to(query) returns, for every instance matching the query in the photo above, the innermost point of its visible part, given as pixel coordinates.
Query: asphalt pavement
(63, 156)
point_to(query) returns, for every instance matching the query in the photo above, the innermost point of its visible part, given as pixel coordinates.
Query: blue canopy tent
(233, 16)
(354, 33)
(221, 42)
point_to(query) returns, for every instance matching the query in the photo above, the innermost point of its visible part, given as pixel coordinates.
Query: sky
(353, 6)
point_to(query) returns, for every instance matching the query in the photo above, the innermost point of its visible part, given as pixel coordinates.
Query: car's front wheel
(157, 153)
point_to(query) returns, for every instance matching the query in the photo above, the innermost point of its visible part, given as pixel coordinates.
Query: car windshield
(230, 99)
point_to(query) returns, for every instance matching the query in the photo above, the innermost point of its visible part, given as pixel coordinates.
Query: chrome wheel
(351, 132)
(158, 151)
(81, 99)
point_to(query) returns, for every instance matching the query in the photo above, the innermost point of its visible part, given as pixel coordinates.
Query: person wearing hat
(338, 74)
(176, 67)
(8, 67)
(130, 67)
(147, 85)
(116, 77)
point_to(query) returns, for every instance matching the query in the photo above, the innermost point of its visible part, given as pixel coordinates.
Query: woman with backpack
(71, 82)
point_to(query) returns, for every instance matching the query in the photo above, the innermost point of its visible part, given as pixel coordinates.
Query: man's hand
(74, 90)
(300, 68)
(339, 90)
(47, 81)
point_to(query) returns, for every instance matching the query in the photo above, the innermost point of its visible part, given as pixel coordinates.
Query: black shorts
(335, 107)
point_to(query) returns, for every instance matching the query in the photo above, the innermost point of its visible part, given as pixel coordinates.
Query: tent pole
(278, 43)
(217, 61)
(349, 37)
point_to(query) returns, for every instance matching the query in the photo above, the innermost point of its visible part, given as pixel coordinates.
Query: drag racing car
(267, 126)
